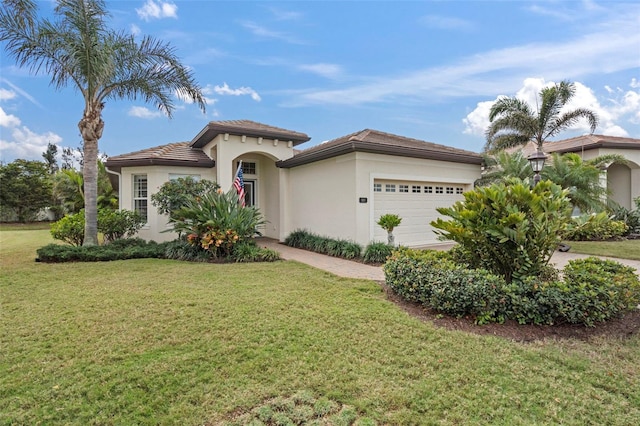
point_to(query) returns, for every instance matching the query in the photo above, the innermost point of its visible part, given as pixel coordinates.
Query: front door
(249, 192)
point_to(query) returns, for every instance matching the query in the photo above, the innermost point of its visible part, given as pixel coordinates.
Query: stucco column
(284, 216)
(224, 166)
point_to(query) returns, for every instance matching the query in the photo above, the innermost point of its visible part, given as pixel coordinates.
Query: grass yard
(627, 249)
(167, 342)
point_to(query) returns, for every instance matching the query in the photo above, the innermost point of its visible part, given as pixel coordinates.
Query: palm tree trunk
(91, 127)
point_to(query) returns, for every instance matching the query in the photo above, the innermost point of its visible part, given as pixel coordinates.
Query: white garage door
(415, 203)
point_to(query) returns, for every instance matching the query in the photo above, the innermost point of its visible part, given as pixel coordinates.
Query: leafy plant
(216, 222)
(175, 193)
(595, 227)
(69, 229)
(389, 222)
(508, 228)
(595, 290)
(631, 218)
(377, 252)
(306, 240)
(117, 224)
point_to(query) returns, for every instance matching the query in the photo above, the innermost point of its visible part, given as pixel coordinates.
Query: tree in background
(515, 123)
(25, 189)
(80, 49)
(50, 157)
(581, 178)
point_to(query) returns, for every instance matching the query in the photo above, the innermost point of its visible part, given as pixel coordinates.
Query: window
(415, 189)
(140, 195)
(428, 189)
(389, 187)
(459, 190)
(377, 187)
(248, 167)
(439, 190)
(403, 188)
(449, 189)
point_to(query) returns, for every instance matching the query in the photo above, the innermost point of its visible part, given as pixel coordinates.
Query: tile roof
(173, 154)
(247, 128)
(378, 142)
(585, 142)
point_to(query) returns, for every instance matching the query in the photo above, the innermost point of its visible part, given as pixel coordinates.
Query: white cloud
(226, 90)
(285, 15)
(605, 50)
(446, 22)
(143, 112)
(8, 120)
(135, 30)
(263, 32)
(5, 94)
(157, 10)
(324, 70)
(612, 114)
(26, 144)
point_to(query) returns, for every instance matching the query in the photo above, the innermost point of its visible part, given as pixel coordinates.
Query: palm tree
(515, 123)
(77, 48)
(502, 166)
(581, 178)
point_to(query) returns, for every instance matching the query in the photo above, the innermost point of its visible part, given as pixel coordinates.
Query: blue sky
(423, 69)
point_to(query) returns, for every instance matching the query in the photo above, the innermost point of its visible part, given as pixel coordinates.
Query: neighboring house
(622, 180)
(337, 189)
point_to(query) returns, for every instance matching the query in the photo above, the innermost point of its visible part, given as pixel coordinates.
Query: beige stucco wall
(321, 197)
(324, 196)
(622, 181)
(156, 176)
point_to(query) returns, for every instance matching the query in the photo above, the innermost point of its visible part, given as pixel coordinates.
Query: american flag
(238, 184)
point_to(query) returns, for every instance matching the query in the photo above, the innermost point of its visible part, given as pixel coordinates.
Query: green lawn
(627, 249)
(166, 342)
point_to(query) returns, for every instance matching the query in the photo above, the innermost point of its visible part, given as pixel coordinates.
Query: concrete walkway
(350, 269)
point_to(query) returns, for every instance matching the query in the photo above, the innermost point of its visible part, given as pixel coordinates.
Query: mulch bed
(624, 327)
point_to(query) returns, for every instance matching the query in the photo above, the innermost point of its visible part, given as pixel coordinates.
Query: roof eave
(118, 164)
(212, 130)
(361, 146)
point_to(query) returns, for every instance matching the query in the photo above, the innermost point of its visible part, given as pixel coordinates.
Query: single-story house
(622, 180)
(337, 189)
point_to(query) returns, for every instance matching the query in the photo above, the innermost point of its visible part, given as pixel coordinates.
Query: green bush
(595, 227)
(176, 193)
(377, 252)
(118, 224)
(410, 273)
(508, 228)
(533, 301)
(69, 229)
(118, 250)
(180, 249)
(248, 251)
(464, 292)
(595, 290)
(631, 218)
(216, 222)
(306, 240)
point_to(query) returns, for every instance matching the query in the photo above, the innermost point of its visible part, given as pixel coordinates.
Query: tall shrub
(508, 228)
(216, 222)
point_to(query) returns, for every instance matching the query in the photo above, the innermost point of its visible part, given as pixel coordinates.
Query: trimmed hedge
(333, 247)
(593, 290)
(133, 248)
